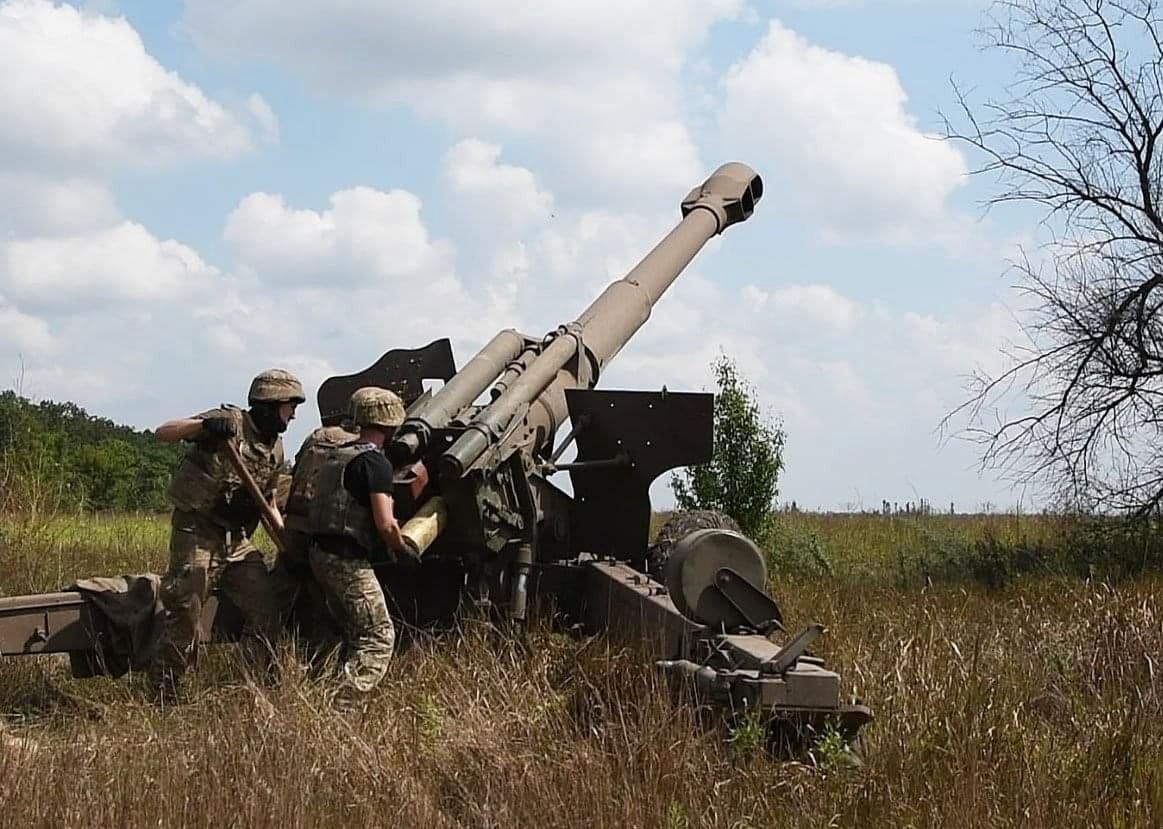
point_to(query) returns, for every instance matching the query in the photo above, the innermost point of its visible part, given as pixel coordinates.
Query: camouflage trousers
(356, 600)
(203, 557)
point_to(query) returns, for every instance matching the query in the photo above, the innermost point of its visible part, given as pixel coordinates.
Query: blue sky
(199, 190)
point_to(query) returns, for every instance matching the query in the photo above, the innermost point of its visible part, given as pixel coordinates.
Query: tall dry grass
(1038, 704)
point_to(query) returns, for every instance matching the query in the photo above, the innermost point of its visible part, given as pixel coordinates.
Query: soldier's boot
(248, 584)
(348, 700)
(260, 661)
(164, 686)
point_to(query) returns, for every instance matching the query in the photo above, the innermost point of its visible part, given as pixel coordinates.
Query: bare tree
(1077, 135)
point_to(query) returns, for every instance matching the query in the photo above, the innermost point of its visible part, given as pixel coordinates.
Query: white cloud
(35, 204)
(265, 117)
(95, 307)
(861, 387)
(832, 135)
(89, 271)
(861, 402)
(605, 91)
(598, 85)
(22, 333)
(813, 305)
(485, 191)
(141, 327)
(79, 89)
(367, 236)
(401, 44)
(961, 348)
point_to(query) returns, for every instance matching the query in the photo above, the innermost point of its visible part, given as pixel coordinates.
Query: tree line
(58, 456)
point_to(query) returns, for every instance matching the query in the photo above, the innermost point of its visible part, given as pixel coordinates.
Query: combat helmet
(275, 386)
(373, 406)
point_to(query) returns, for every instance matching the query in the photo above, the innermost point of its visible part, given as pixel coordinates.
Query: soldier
(351, 521)
(213, 521)
(309, 462)
(292, 572)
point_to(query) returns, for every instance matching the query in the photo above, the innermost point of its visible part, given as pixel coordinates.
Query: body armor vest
(205, 478)
(335, 511)
(309, 464)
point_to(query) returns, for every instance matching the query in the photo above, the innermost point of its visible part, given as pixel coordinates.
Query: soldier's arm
(184, 428)
(386, 523)
(188, 428)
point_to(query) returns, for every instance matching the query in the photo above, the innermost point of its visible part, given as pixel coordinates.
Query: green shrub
(742, 477)
(793, 550)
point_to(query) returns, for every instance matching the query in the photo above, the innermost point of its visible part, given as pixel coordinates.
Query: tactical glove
(407, 557)
(219, 428)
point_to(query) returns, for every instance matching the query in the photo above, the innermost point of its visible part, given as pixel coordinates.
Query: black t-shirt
(368, 473)
(364, 474)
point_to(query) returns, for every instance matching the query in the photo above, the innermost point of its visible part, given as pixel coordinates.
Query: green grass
(916, 550)
(44, 555)
(1035, 703)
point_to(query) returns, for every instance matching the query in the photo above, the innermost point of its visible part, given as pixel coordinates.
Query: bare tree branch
(1080, 405)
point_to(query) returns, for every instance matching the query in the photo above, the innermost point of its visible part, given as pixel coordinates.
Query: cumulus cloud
(93, 306)
(861, 402)
(141, 326)
(40, 204)
(21, 332)
(79, 89)
(485, 191)
(859, 385)
(596, 84)
(608, 91)
(88, 271)
(815, 306)
(326, 291)
(81, 97)
(832, 134)
(366, 236)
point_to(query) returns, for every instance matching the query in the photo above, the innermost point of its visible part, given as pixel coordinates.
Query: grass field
(1035, 703)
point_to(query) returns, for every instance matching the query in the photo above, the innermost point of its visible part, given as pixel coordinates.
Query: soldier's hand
(219, 428)
(408, 557)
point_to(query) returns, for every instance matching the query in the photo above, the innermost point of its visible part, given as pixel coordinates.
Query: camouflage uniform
(355, 598)
(349, 584)
(209, 551)
(292, 571)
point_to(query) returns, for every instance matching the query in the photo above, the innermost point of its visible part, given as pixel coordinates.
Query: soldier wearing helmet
(351, 522)
(214, 518)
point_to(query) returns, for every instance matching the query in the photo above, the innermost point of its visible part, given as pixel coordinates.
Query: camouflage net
(678, 526)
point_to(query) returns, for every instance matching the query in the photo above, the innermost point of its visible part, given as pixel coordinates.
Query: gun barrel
(724, 199)
(435, 413)
(538, 393)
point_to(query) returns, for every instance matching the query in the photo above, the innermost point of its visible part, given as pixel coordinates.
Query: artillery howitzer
(474, 488)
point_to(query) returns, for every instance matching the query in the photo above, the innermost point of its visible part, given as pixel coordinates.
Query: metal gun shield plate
(695, 564)
(653, 432)
(402, 370)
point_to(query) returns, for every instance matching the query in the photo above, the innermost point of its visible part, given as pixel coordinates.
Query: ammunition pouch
(193, 488)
